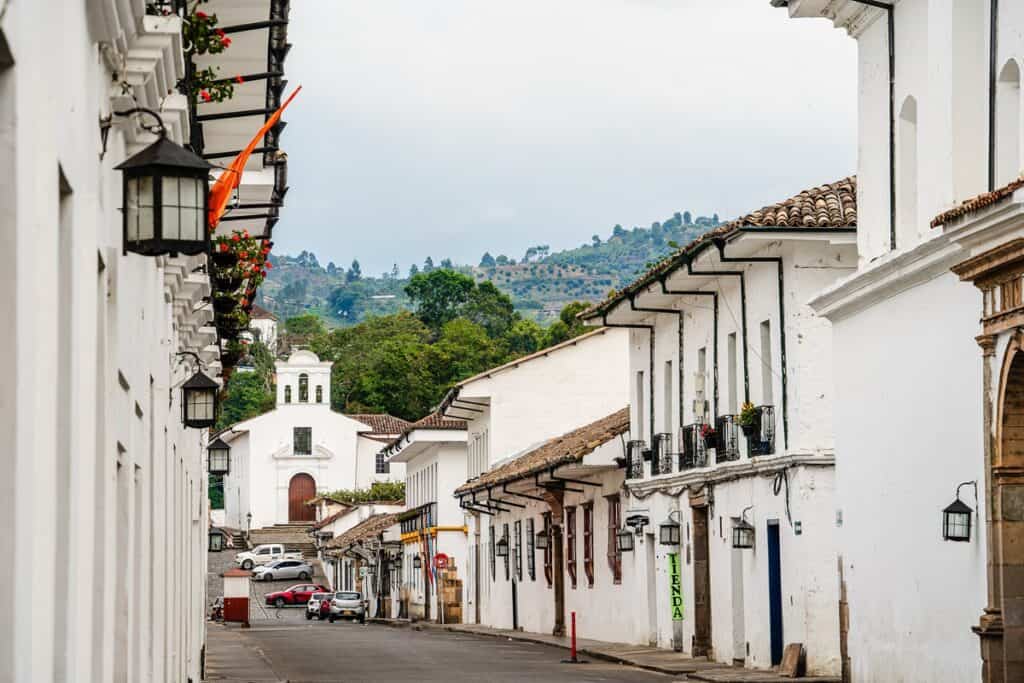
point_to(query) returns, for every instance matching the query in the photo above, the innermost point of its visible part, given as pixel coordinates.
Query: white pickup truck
(262, 554)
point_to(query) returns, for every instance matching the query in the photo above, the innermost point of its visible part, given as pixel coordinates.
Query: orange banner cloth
(229, 180)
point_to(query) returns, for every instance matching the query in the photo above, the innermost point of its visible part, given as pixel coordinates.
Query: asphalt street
(286, 647)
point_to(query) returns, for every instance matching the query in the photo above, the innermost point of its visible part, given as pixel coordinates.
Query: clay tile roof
(435, 421)
(382, 423)
(330, 518)
(833, 205)
(978, 203)
(260, 312)
(371, 526)
(561, 450)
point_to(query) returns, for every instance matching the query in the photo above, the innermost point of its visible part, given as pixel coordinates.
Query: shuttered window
(588, 543)
(614, 522)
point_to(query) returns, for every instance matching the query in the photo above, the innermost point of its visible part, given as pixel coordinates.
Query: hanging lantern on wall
(541, 540)
(956, 518)
(668, 531)
(219, 457)
(743, 532)
(199, 401)
(502, 547)
(216, 541)
(417, 562)
(165, 197)
(624, 540)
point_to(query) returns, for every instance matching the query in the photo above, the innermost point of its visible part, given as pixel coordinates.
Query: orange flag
(228, 181)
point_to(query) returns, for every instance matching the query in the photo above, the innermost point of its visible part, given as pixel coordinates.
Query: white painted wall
(105, 493)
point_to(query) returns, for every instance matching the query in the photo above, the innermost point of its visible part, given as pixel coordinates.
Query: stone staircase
(238, 539)
(293, 535)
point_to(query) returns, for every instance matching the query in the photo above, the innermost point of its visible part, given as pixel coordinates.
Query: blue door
(775, 590)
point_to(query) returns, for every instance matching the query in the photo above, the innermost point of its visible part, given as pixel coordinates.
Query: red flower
(266, 243)
(201, 15)
(245, 302)
(269, 265)
(265, 272)
(235, 237)
(266, 250)
(243, 255)
(205, 95)
(226, 42)
(223, 247)
(245, 234)
(220, 32)
(239, 79)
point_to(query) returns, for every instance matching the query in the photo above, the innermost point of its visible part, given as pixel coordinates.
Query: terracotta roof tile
(436, 420)
(371, 526)
(260, 312)
(978, 203)
(381, 423)
(833, 205)
(568, 448)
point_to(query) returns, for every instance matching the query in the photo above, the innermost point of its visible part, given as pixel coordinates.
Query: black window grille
(661, 454)
(518, 544)
(694, 450)
(504, 535)
(490, 552)
(531, 560)
(728, 447)
(762, 435)
(302, 438)
(383, 466)
(635, 459)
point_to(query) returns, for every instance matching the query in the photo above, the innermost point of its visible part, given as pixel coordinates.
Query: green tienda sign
(675, 585)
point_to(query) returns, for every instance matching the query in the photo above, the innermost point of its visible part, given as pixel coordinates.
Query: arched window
(319, 394)
(1008, 124)
(303, 388)
(906, 188)
(288, 394)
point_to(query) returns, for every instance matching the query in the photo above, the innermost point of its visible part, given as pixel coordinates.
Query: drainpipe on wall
(650, 330)
(993, 45)
(743, 321)
(714, 363)
(777, 260)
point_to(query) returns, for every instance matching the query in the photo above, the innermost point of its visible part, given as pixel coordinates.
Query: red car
(294, 595)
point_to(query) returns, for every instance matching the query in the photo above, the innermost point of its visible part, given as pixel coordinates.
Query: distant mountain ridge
(540, 282)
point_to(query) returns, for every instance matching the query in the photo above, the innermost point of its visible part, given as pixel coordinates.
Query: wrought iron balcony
(661, 454)
(635, 451)
(761, 434)
(728, 446)
(694, 452)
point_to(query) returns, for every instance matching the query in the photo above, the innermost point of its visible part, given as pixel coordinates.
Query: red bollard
(573, 650)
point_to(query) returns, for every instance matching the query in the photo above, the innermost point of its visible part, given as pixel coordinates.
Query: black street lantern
(219, 454)
(502, 547)
(624, 540)
(165, 197)
(956, 518)
(668, 531)
(216, 541)
(541, 540)
(199, 401)
(417, 563)
(743, 532)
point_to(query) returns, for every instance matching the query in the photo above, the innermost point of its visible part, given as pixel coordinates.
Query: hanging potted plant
(224, 257)
(224, 302)
(749, 419)
(710, 436)
(233, 352)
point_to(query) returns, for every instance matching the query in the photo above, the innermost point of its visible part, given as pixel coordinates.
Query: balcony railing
(761, 435)
(661, 454)
(694, 452)
(728, 446)
(635, 459)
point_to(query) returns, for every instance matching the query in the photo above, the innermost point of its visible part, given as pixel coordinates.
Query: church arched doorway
(300, 489)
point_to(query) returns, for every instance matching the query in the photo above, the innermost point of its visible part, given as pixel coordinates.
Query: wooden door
(701, 584)
(300, 489)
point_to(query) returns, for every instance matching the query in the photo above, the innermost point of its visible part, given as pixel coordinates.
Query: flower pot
(223, 303)
(224, 259)
(749, 430)
(226, 283)
(711, 441)
(229, 358)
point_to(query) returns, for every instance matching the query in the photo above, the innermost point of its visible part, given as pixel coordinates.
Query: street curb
(596, 654)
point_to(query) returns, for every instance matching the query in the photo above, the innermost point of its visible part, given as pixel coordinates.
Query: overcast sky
(450, 127)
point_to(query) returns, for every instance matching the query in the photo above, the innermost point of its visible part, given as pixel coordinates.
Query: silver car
(348, 605)
(284, 569)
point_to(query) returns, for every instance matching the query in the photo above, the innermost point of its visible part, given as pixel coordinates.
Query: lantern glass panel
(502, 548)
(956, 522)
(218, 461)
(216, 542)
(624, 540)
(417, 563)
(199, 405)
(669, 533)
(541, 541)
(742, 535)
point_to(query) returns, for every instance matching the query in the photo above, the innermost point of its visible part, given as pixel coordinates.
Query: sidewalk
(653, 659)
(228, 658)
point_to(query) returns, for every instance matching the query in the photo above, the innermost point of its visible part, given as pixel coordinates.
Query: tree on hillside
(595, 240)
(438, 295)
(428, 265)
(354, 272)
(447, 264)
(524, 337)
(487, 261)
(687, 218)
(246, 396)
(304, 325)
(413, 270)
(568, 325)
(490, 308)
(502, 260)
(394, 272)
(464, 349)
(345, 301)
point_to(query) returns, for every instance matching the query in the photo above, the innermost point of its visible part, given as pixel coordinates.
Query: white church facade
(282, 459)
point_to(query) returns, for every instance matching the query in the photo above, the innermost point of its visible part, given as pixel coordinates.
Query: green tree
(413, 270)
(439, 295)
(378, 491)
(524, 337)
(428, 265)
(462, 350)
(490, 308)
(355, 272)
(487, 261)
(246, 396)
(304, 325)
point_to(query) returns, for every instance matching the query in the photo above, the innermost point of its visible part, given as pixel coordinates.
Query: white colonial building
(281, 460)
(510, 412)
(927, 407)
(720, 324)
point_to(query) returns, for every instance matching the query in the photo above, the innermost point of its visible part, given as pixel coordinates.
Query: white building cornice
(754, 467)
